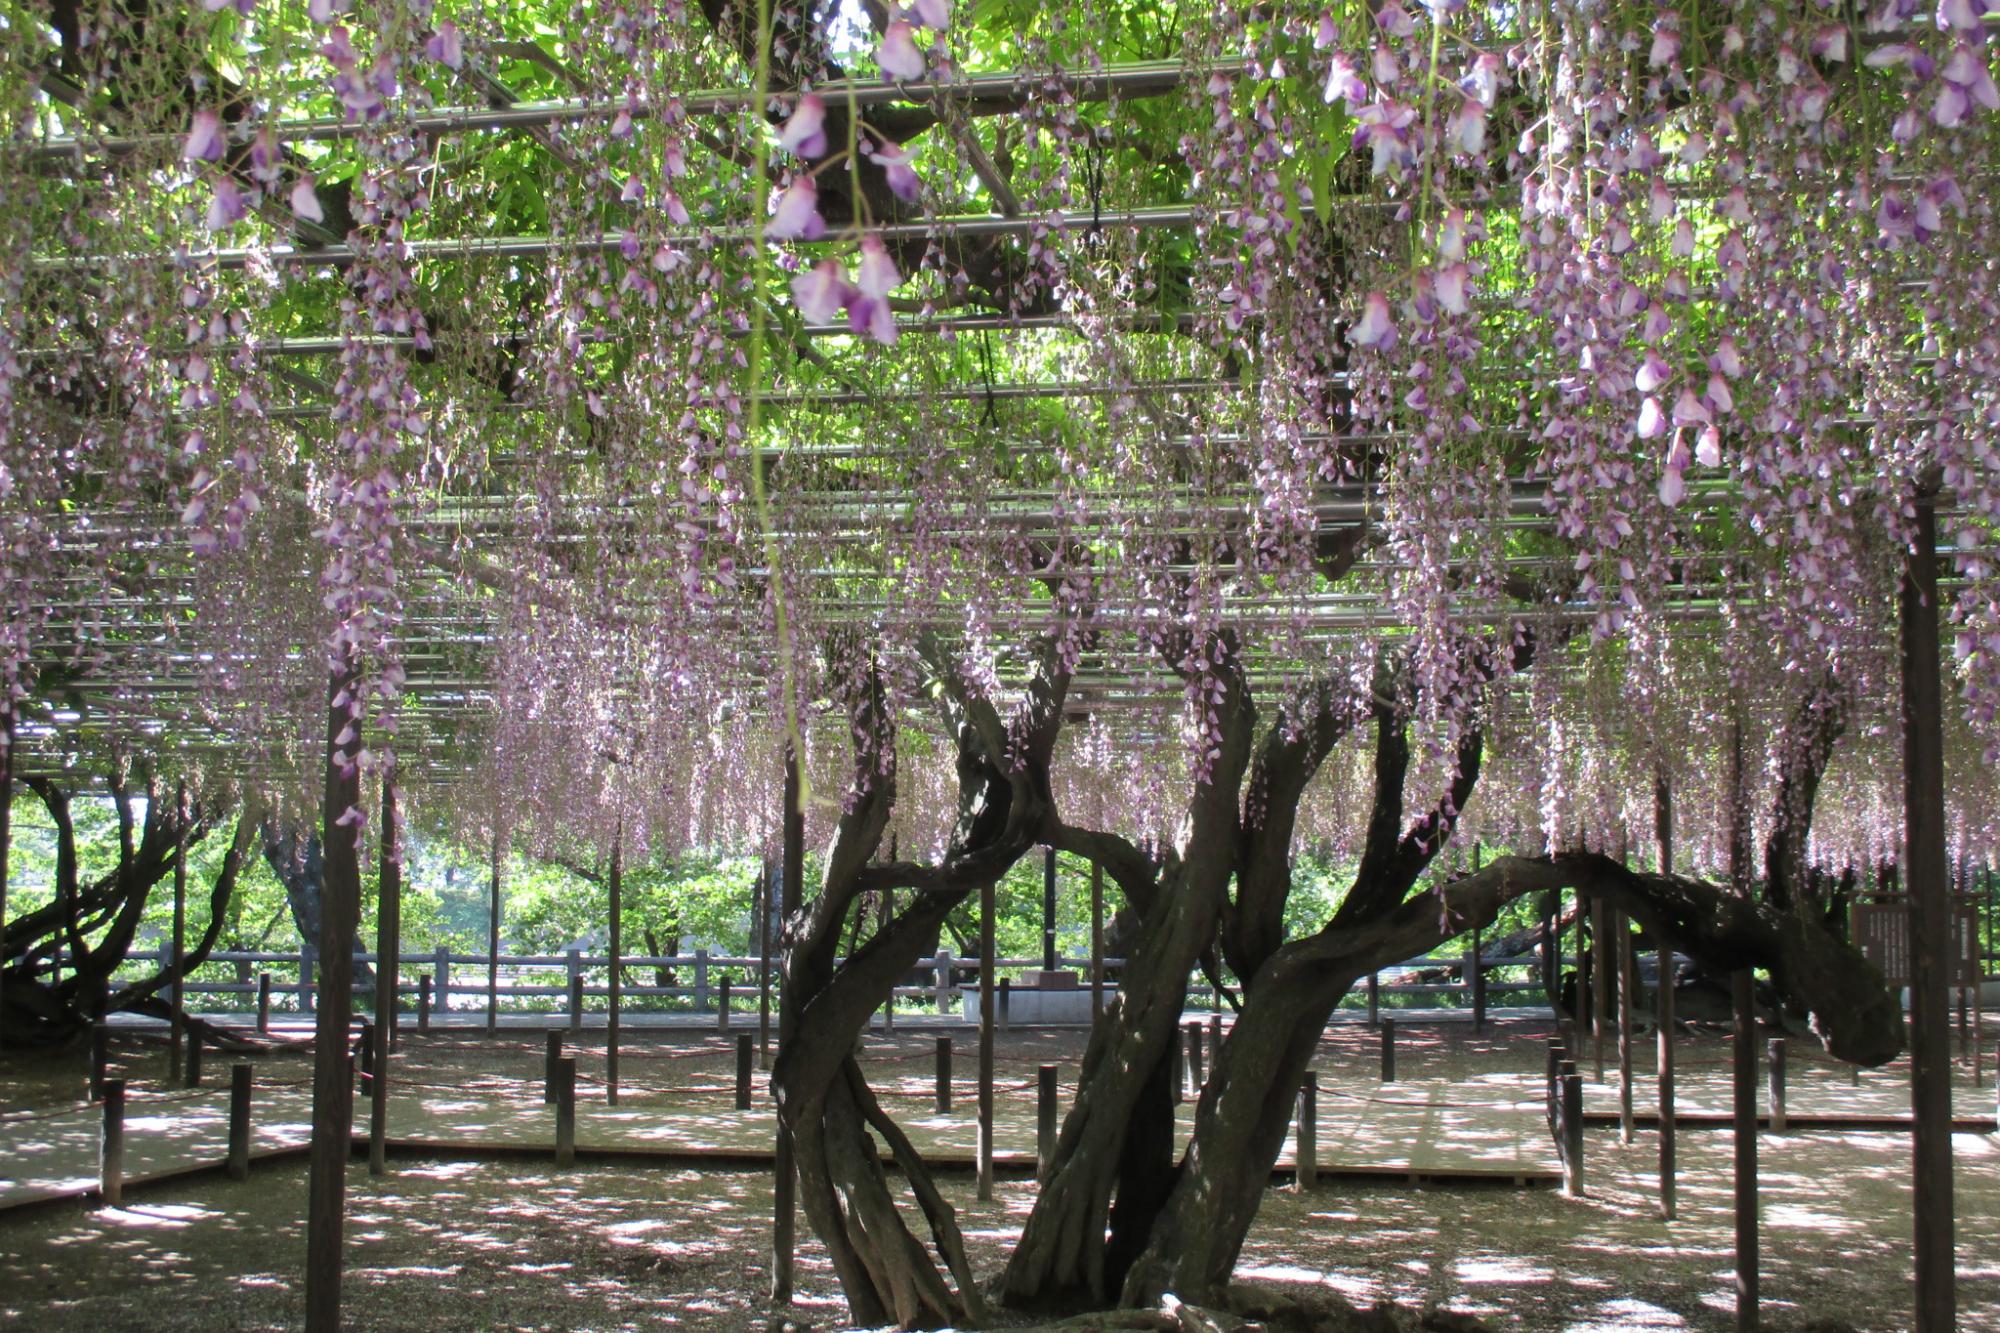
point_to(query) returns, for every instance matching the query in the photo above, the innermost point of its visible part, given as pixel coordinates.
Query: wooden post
(424, 1002)
(388, 973)
(614, 986)
(1930, 928)
(1388, 1050)
(1374, 998)
(333, 1097)
(1774, 1094)
(941, 968)
(1004, 1017)
(6, 819)
(551, 1057)
(1663, 1001)
(763, 901)
(1305, 1154)
(987, 1013)
(111, 1144)
(1049, 909)
(745, 1057)
(493, 939)
(785, 1186)
(441, 969)
(177, 987)
(1478, 984)
(1623, 930)
(1045, 1121)
(100, 1057)
(943, 1075)
(263, 1004)
(1572, 1123)
(700, 980)
(722, 1005)
(1195, 1073)
(239, 1120)
(565, 1099)
(1602, 967)
(1743, 1067)
(1096, 941)
(573, 981)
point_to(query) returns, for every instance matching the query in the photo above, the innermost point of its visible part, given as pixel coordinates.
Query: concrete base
(1032, 1006)
(1039, 980)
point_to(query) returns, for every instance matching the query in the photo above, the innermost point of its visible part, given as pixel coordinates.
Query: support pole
(6, 820)
(1663, 1001)
(1388, 1050)
(943, 1075)
(239, 1120)
(177, 988)
(333, 1093)
(784, 1221)
(1045, 1121)
(1572, 1114)
(493, 939)
(551, 1057)
(1774, 1092)
(424, 1002)
(111, 1144)
(1049, 910)
(763, 900)
(987, 1009)
(1478, 983)
(1743, 1063)
(722, 1005)
(1374, 998)
(388, 956)
(1305, 1155)
(1622, 929)
(615, 986)
(263, 1004)
(1096, 941)
(745, 1060)
(100, 1057)
(565, 1099)
(1602, 965)
(1930, 928)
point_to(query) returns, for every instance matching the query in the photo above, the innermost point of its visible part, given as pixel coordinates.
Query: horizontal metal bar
(1134, 80)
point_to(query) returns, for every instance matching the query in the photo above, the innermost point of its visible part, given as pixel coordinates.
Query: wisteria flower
(898, 55)
(305, 201)
(1449, 286)
(878, 275)
(1708, 446)
(796, 218)
(822, 291)
(1344, 82)
(446, 46)
(932, 14)
(227, 205)
(902, 178)
(1376, 328)
(204, 141)
(804, 132)
(266, 157)
(322, 11)
(1651, 419)
(871, 317)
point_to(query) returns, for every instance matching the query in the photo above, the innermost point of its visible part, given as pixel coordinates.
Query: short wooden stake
(1775, 1091)
(1305, 1157)
(1006, 989)
(263, 1003)
(565, 1099)
(745, 1059)
(722, 1005)
(1374, 998)
(424, 1003)
(943, 1075)
(550, 1060)
(100, 1057)
(1388, 1050)
(1572, 1130)
(1045, 1121)
(575, 1001)
(239, 1120)
(111, 1144)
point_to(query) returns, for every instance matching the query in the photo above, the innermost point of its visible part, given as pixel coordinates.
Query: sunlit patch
(1616, 1316)
(1500, 1270)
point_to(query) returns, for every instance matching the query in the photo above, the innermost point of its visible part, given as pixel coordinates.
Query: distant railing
(442, 981)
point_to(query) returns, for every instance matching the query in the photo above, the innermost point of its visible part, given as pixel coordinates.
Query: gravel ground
(498, 1244)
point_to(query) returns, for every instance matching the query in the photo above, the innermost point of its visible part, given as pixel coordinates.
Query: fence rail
(443, 976)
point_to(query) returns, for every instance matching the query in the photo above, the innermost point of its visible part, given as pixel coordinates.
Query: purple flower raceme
(822, 291)
(894, 160)
(1376, 328)
(204, 141)
(898, 56)
(796, 216)
(804, 132)
(446, 46)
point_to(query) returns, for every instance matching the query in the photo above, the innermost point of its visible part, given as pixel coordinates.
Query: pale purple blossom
(204, 141)
(446, 46)
(796, 217)
(804, 131)
(1375, 328)
(898, 56)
